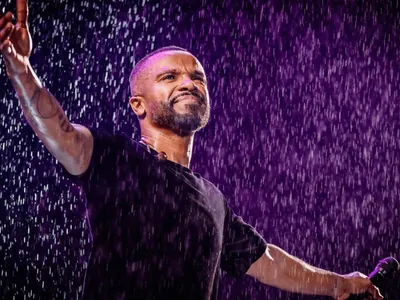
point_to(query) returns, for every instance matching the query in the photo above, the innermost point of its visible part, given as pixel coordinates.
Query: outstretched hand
(356, 283)
(15, 40)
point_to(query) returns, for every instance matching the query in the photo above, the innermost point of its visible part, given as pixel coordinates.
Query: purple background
(303, 137)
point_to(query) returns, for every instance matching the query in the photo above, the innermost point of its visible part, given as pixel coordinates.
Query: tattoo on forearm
(46, 104)
(64, 123)
(47, 108)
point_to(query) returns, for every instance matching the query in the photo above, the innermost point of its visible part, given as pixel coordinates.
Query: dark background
(303, 137)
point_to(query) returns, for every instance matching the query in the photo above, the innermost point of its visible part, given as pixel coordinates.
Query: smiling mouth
(188, 99)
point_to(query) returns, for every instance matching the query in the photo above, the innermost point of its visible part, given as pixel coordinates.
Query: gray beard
(185, 124)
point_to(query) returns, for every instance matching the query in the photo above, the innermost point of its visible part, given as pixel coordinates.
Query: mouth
(188, 97)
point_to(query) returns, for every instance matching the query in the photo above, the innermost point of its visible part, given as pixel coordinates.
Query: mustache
(195, 94)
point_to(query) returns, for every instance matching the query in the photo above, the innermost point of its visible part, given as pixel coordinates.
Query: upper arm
(272, 267)
(262, 266)
(242, 244)
(77, 160)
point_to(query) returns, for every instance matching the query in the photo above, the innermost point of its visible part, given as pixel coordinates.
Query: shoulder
(216, 192)
(211, 185)
(104, 138)
(115, 147)
(108, 137)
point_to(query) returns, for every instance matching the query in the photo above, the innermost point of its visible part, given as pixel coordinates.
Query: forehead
(166, 60)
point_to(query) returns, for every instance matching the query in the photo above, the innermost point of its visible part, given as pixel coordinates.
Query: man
(159, 230)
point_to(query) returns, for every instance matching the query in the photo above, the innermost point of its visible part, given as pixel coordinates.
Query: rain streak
(303, 139)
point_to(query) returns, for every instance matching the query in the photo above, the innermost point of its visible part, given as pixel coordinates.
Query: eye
(169, 77)
(201, 79)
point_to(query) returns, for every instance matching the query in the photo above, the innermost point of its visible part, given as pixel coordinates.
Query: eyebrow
(169, 71)
(199, 73)
(176, 71)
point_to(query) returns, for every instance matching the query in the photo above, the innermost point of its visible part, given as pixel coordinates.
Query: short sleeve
(106, 148)
(242, 245)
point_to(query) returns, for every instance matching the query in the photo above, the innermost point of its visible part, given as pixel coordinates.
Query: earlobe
(138, 107)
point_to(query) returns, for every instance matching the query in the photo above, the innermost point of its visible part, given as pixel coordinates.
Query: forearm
(45, 116)
(293, 274)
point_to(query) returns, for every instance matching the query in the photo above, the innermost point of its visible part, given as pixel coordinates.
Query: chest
(156, 207)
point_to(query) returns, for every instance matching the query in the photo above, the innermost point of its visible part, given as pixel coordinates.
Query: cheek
(153, 106)
(205, 93)
(156, 96)
(162, 94)
(166, 88)
(157, 105)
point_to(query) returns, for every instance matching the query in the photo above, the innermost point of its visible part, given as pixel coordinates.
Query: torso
(157, 229)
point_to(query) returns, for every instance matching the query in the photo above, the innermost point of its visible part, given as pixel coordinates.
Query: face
(173, 89)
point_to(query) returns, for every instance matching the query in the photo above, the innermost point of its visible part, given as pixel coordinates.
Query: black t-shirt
(160, 231)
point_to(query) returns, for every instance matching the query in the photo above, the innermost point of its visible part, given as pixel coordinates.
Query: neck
(177, 149)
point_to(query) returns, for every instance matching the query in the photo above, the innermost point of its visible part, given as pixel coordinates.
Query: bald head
(169, 90)
(141, 66)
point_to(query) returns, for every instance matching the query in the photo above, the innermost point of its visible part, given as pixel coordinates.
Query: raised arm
(70, 144)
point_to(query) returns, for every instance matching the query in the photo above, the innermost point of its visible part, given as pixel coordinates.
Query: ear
(138, 106)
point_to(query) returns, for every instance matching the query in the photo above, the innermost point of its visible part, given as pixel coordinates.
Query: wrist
(16, 77)
(20, 77)
(18, 73)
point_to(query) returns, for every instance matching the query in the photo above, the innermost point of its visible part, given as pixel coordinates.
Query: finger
(6, 49)
(374, 291)
(22, 13)
(344, 296)
(6, 32)
(8, 17)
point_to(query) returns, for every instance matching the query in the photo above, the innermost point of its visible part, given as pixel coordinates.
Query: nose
(187, 84)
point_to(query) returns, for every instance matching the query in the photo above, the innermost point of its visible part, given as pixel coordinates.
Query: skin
(166, 76)
(72, 144)
(282, 270)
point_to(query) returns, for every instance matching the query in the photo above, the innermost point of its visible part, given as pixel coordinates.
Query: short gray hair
(138, 67)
